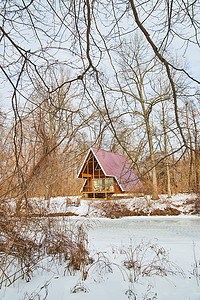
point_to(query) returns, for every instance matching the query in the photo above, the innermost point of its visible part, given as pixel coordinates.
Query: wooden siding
(92, 171)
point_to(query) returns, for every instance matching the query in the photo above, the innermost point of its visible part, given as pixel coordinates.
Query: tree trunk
(197, 155)
(154, 177)
(166, 155)
(191, 167)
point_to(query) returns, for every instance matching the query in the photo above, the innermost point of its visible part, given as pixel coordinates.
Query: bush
(24, 243)
(148, 259)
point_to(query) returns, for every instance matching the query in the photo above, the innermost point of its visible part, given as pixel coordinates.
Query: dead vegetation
(168, 211)
(115, 209)
(148, 259)
(196, 266)
(25, 242)
(197, 205)
(144, 259)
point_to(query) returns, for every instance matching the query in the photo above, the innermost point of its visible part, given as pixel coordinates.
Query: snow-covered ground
(179, 236)
(174, 241)
(112, 241)
(177, 204)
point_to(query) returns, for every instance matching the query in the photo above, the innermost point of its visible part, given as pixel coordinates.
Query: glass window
(96, 184)
(109, 184)
(104, 184)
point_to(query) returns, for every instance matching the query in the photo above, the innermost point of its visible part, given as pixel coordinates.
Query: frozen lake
(177, 235)
(170, 232)
(163, 228)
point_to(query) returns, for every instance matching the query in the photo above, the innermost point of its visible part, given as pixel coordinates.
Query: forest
(118, 75)
(121, 76)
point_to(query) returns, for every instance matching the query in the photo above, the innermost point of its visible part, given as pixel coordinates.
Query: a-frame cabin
(104, 173)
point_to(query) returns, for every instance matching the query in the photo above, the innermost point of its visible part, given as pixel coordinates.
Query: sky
(73, 60)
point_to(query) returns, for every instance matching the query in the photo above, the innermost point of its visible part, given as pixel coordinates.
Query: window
(109, 186)
(104, 184)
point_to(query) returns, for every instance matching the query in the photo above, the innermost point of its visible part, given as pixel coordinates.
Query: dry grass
(148, 259)
(196, 266)
(25, 242)
(197, 205)
(115, 209)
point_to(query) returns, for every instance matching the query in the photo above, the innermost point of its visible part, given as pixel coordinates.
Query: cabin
(105, 173)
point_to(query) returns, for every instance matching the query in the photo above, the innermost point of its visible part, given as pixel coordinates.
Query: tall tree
(85, 37)
(138, 75)
(166, 150)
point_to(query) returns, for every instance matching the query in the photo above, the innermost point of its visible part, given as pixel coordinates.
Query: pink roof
(117, 166)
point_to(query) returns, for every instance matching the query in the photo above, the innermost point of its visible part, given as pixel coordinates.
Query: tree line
(90, 72)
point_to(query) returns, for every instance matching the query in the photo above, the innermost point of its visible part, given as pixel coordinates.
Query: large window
(104, 184)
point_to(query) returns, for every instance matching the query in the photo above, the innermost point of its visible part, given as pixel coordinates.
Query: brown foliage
(115, 209)
(25, 242)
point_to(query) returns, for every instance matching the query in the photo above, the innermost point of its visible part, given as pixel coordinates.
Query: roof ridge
(108, 151)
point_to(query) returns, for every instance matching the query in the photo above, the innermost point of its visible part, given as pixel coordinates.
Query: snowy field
(112, 242)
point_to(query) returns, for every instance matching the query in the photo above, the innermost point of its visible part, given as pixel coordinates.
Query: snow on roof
(115, 165)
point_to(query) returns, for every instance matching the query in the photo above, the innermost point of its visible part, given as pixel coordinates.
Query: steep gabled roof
(114, 165)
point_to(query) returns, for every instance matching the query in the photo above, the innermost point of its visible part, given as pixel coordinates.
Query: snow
(184, 203)
(92, 208)
(111, 239)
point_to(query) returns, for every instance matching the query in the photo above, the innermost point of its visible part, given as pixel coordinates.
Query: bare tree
(85, 37)
(192, 127)
(166, 151)
(138, 75)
